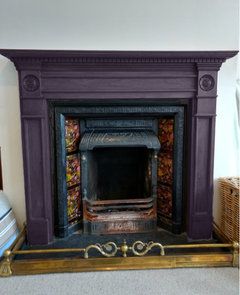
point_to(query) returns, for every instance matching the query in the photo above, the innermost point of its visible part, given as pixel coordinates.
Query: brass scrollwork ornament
(140, 249)
(108, 250)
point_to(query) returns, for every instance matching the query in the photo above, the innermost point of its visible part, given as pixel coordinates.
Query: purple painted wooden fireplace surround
(186, 78)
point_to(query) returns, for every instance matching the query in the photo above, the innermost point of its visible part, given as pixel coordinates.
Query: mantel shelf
(141, 57)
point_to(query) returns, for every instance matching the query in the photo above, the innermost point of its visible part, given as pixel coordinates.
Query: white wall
(115, 25)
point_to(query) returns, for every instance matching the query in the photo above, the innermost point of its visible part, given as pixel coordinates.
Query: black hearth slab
(79, 240)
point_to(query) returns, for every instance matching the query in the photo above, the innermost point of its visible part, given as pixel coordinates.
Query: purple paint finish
(178, 77)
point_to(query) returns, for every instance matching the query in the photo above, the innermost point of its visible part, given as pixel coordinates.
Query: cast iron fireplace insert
(124, 175)
(119, 177)
(186, 79)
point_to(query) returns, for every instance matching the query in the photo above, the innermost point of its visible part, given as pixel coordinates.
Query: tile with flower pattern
(165, 167)
(72, 134)
(74, 203)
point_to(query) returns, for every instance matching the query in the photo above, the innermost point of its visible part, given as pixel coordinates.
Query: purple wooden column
(35, 141)
(202, 153)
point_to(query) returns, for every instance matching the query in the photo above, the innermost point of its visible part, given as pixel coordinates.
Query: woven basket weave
(229, 193)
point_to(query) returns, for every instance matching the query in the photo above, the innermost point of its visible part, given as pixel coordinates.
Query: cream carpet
(164, 281)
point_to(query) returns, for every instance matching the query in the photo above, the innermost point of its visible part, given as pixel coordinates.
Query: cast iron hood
(94, 139)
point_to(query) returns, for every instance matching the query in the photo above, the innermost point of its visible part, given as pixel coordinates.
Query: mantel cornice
(116, 57)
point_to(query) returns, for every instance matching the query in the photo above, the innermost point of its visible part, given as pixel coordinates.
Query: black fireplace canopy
(96, 139)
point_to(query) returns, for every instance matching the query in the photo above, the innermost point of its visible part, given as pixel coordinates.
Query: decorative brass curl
(138, 248)
(108, 250)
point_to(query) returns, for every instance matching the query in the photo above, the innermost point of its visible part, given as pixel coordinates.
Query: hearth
(150, 114)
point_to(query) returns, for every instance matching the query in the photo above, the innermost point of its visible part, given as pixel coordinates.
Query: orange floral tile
(74, 203)
(72, 135)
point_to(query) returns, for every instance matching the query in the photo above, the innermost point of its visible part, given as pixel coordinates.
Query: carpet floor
(189, 281)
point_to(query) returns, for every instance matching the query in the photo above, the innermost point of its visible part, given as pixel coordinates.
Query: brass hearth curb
(9, 266)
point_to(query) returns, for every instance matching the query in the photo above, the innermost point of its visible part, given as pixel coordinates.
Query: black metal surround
(121, 111)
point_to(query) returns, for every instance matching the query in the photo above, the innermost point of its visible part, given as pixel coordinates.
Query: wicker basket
(229, 193)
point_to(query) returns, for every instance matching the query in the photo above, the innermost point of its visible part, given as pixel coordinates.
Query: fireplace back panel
(121, 173)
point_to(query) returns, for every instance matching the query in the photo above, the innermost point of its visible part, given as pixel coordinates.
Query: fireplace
(143, 148)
